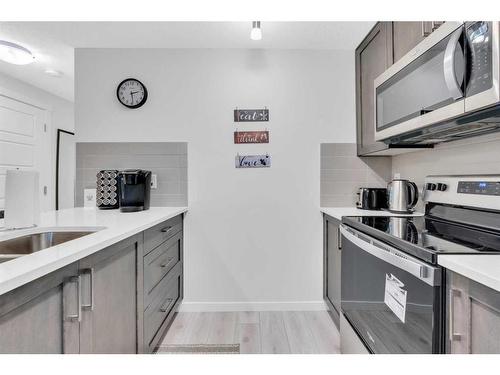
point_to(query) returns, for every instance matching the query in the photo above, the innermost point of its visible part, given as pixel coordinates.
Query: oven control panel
(479, 187)
(481, 191)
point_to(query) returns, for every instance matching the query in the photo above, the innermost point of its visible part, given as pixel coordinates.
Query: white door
(25, 143)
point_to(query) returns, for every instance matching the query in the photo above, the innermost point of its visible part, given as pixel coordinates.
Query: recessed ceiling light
(256, 33)
(53, 73)
(15, 54)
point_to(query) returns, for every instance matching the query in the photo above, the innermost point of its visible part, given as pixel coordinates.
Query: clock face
(132, 93)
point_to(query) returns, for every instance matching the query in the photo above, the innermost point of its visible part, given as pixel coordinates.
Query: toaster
(371, 198)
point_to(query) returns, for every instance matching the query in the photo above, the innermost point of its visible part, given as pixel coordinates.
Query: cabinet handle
(166, 229)
(453, 336)
(90, 273)
(166, 305)
(78, 315)
(436, 24)
(169, 260)
(425, 33)
(339, 239)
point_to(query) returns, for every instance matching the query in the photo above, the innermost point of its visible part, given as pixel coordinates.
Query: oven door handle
(393, 256)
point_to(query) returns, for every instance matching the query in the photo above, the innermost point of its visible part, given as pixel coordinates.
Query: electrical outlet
(154, 182)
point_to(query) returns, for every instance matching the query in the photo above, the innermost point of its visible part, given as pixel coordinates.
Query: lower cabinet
(118, 300)
(42, 316)
(109, 296)
(473, 317)
(331, 265)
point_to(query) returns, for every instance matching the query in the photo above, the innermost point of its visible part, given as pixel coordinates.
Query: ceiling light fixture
(15, 54)
(256, 33)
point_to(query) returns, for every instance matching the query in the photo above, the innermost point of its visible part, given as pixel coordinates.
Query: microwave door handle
(450, 76)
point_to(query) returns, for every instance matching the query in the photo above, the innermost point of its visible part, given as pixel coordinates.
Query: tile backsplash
(480, 155)
(168, 160)
(342, 173)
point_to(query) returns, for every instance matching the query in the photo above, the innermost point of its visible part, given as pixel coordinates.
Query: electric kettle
(402, 196)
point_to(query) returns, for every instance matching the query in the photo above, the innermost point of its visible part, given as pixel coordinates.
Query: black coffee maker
(135, 190)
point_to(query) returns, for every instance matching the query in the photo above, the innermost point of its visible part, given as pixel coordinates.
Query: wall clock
(132, 93)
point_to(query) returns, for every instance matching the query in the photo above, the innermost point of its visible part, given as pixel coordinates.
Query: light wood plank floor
(287, 332)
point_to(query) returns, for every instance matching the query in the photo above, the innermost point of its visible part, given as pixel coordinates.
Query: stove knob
(442, 187)
(431, 186)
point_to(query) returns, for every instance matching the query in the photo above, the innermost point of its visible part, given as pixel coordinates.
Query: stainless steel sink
(30, 243)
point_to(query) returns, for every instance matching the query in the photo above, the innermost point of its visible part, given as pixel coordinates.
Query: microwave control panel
(480, 57)
(479, 187)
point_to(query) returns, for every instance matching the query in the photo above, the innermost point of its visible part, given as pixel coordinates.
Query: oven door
(425, 86)
(392, 300)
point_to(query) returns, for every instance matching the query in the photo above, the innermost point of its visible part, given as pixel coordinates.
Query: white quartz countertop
(113, 226)
(482, 268)
(339, 212)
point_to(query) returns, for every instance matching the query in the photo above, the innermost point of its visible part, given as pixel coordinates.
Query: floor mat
(199, 349)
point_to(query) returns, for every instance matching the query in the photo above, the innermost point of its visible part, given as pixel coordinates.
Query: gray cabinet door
(42, 316)
(473, 317)
(373, 57)
(407, 34)
(110, 299)
(332, 263)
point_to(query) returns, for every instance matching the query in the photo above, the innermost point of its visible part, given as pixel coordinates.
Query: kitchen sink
(31, 243)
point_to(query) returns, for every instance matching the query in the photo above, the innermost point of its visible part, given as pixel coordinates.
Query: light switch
(154, 181)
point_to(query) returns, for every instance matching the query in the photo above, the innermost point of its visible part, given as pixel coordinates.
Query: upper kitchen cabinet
(384, 44)
(407, 34)
(373, 56)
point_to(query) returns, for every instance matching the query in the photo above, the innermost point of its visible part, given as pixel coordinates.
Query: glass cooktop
(432, 236)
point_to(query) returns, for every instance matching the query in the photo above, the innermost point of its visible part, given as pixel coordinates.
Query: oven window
(425, 85)
(413, 323)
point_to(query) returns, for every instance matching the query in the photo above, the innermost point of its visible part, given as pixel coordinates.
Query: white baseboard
(187, 306)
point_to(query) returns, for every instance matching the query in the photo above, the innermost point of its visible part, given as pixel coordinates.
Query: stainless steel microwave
(451, 74)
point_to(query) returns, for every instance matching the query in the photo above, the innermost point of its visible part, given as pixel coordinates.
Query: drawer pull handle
(166, 305)
(167, 229)
(169, 260)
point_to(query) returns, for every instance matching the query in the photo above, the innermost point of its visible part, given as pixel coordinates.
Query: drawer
(166, 294)
(159, 233)
(159, 262)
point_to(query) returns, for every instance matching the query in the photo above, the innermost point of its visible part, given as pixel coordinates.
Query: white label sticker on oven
(395, 296)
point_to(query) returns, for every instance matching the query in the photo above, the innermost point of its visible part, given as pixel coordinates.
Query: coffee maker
(135, 190)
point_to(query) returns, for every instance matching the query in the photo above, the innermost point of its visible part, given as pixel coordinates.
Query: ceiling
(53, 43)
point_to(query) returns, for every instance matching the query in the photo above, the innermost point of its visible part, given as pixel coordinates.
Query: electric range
(392, 289)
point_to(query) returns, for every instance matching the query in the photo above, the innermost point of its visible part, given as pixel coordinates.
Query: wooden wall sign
(251, 137)
(251, 115)
(253, 161)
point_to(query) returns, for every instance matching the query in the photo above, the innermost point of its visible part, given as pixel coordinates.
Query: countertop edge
(478, 272)
(36, 272)
(339, 212)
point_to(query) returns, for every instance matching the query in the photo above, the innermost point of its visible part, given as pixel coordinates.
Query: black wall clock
(132, 93)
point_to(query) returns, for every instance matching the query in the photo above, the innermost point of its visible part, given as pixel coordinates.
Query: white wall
(253, 238)
(60, 116)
